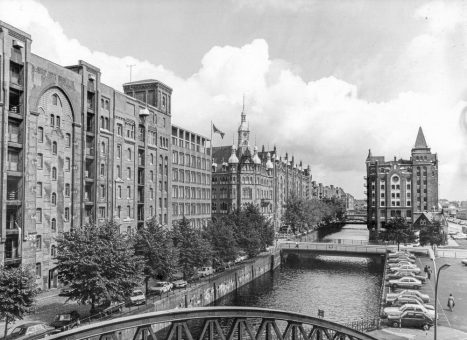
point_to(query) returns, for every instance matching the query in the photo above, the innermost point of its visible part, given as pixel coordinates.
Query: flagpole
(211, 139)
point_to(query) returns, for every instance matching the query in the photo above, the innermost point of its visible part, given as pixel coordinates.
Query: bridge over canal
(212, 323)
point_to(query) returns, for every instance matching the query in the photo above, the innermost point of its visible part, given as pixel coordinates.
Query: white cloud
(441, 16)
(322, 122)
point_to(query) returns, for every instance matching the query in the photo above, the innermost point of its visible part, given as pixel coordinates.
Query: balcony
(90, 153)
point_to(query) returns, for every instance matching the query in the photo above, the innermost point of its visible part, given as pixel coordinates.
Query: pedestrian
(451, 302)
(428, 273)
(296, 244)
(426, 269)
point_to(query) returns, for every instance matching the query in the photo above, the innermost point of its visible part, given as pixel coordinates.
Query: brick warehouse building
(74, 149)
(241, 174)
(402, 188)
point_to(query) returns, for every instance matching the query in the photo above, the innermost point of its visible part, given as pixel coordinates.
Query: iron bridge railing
(210, 323)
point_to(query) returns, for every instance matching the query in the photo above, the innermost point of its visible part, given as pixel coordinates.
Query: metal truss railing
(210, 323)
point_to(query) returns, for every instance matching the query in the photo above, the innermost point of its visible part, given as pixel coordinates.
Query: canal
(346, 288)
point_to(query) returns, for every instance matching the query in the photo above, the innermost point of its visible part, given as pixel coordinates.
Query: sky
(323, 80)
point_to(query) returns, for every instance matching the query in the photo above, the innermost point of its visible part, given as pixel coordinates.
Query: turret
(233, 157)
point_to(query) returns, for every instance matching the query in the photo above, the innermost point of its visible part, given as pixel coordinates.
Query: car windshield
(137, 293)
(63, 317)
(19, 330)
(159, 284)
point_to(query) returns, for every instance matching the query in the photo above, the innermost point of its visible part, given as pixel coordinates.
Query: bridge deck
(336, 248)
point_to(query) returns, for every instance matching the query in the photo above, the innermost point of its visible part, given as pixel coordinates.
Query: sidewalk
(444, 333)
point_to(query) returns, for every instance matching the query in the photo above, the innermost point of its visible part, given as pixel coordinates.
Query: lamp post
(444, 266)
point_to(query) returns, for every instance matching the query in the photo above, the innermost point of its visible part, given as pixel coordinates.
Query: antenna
(131, 69)
(243, 108)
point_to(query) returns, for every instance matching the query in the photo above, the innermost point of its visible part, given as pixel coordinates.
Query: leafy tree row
(301, 213)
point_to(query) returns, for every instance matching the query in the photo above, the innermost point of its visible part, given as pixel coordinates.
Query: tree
(220, 235)
(193, 250)
(154, 244)
(399, 231)
(17, 293)
(252, 231)
(432, 234)
(98, 263)
(294, 214)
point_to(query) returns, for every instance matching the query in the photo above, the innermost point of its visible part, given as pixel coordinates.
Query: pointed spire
(420, 142)
(369, 155)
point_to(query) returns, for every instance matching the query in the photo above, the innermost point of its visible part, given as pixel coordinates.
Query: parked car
(160, 288)
(406, 273)
(407, 292)
(411, 319)
(400, 263)
(241, 257)
(403, 300)
(107, 308)
(137, 297)
(406, 282)
(459, 236)
(179, 284)
(31, 330)
(205, 271)
(402, 253)
(410, 267)
(394, 312)
(66, 291)
(400, 259)
(66, 320)
(464, 262)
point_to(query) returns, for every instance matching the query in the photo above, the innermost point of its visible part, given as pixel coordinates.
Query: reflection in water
(346, 288)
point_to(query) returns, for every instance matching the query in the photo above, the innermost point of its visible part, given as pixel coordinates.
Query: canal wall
(207, 292)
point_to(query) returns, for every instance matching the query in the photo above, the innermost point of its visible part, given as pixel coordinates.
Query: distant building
(402, 188)
(241, 174)
(427, 219)
(349, 202)
(462, 214)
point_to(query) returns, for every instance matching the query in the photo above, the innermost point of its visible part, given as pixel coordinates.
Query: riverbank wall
(207, 292)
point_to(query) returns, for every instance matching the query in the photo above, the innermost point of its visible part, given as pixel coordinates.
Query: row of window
(190, 193)
(38, 216)
(186, 176)
(190, 160)
(187, 145)
(40, 139)
(40, 162)
(182, 209)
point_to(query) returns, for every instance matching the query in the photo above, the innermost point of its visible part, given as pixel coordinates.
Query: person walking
(426, 269)
(451, 302)
(428, 273)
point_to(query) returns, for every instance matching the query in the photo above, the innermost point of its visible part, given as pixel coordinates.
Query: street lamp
(444, 266)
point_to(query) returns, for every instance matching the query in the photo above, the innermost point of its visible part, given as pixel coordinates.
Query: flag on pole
(216, 130)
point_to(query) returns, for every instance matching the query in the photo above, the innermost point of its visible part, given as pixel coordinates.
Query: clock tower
(243, 133)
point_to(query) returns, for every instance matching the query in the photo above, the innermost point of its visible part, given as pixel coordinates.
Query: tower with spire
(243, 132)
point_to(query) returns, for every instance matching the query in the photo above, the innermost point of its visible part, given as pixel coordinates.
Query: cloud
(279, 5)
(322, 122)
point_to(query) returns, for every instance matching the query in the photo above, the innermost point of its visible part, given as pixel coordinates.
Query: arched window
(54, 225)
(54, 99)
(129, 154)
(102, 123)
(58, 121)
(52, 120)
(54, 198)
(102, 147)
(54, 173)
(40, 134)
(54, 148)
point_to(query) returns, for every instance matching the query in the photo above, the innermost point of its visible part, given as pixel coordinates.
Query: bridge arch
(225, 323)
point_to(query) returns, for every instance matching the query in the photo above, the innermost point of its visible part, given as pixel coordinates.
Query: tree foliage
(98, 263)
(432, 234)
(220, 234)
(154, 244)
(193, 250)
(398, 231)
(17, 293)
(295, 211)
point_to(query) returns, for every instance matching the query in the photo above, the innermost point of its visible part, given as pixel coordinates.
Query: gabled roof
(420, 142)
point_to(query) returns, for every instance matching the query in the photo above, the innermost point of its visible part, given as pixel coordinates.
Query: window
(38, 242)
(53, 250)
(54, 199)
(102, 170)
(54, 173)
(119, 191)
(67, 214)
(67, 164)
(40, 160)
(128, 189)
(119, 211)
(102, 191)
(53, 225)
(52, 120)
(119, 129)
(119, 151)
(54, 148)
(129, 154)
(40, 134)
(67, 140)
(103, 147)
(102, 212)
(128, 173)
(151, 175)
(119, 172)
(128, 209)
(38, 215)
(67, 190)
(39, 189)
(58, 121)
(38, 270)
(55, 99)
